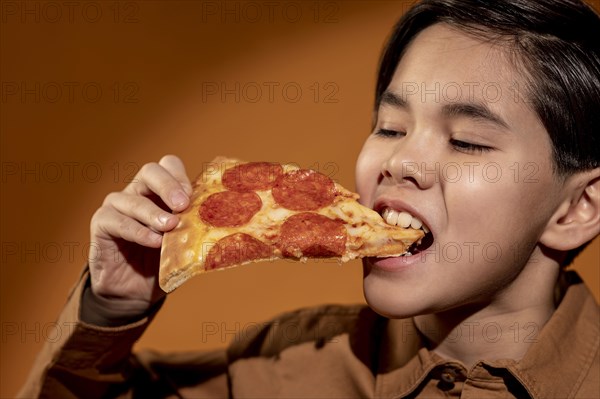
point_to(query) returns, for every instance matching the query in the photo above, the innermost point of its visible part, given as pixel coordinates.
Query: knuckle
(169, 159)
(147, 168)
(141, 234)
(124, 224)
(110, 198)
(126, 227)
(98, 216)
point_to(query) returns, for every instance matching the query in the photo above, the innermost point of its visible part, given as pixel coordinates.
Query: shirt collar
(553, 366)
(567, 345)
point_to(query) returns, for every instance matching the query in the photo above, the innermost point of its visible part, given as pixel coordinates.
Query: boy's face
(457, 146)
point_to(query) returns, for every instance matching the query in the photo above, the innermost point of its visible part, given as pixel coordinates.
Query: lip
(396, 263)
(399, 205)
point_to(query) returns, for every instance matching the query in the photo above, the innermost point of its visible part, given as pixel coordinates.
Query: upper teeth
(402, 219)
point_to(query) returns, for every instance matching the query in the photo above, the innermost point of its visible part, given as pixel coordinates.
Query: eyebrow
(389, 98)
(477, 111)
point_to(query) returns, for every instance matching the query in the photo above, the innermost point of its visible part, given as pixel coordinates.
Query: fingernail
(163, 218)
(178, 199)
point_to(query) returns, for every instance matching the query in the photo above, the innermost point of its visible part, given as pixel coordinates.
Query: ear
(577, 219)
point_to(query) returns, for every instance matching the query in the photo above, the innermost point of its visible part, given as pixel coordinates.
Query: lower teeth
(406, 254)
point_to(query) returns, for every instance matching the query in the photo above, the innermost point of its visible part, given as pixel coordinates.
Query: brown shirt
(323, 352)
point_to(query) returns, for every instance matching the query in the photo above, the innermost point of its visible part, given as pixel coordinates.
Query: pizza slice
(243, 212)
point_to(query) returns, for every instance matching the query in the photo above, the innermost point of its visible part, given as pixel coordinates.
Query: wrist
(113, 312)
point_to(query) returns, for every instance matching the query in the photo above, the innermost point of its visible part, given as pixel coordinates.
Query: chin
(391, 295)
(389, 302)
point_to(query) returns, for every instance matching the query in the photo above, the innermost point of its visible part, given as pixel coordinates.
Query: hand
(126, 231)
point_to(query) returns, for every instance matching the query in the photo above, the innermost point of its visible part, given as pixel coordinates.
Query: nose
(412, 161)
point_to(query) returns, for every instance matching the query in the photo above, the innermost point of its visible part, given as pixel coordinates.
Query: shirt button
(448, 376)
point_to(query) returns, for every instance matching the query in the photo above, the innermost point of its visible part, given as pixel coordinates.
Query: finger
(174, 165)
(143, 210)
(153, 178)
(112, 223)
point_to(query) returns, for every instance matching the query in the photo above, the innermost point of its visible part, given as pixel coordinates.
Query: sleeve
(96, 361)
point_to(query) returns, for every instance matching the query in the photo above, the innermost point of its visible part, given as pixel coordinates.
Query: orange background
(65, 144)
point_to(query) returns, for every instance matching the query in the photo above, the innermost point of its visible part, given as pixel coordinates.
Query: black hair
(558, 44)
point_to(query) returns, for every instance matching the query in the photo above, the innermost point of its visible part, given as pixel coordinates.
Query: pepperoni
(304, 190)
(311, 234)
(235, 249)
(252, 176)
(229, 208)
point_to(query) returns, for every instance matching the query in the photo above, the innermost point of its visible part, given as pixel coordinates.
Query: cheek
(508, 204)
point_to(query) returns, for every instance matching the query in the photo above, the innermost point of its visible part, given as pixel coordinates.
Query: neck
(503, 327)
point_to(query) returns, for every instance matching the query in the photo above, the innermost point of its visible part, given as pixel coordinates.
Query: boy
(471, 95)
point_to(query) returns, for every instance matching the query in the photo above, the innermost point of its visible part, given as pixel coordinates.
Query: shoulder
(589, 382)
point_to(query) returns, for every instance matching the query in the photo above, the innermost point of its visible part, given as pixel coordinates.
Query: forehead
(444, 65)
(454, 60)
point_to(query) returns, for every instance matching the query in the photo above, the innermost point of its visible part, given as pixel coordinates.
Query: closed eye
(389, 133)
(469, 148)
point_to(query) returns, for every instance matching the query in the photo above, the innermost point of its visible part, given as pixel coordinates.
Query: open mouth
(406, 220)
